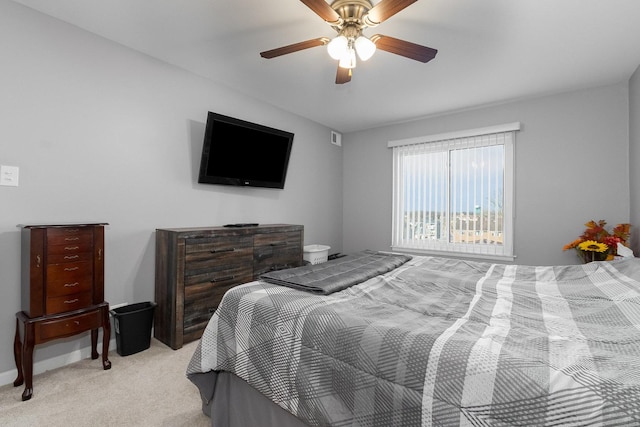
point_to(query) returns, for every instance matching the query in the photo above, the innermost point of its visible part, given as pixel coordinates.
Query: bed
(426, 341)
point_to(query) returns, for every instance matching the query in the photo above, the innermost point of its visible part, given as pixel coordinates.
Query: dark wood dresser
(62, 292)
(196, 266)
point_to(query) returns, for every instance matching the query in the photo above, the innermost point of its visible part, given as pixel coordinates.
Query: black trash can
(133, 327)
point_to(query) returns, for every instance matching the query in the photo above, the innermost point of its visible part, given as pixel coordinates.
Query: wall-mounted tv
(237, 152)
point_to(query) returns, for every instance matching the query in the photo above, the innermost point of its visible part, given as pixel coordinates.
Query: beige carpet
(144, 389)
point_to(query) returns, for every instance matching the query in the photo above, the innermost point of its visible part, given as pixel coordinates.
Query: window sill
(452, 254)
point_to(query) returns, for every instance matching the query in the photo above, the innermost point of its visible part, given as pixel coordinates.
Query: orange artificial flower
(597, 233)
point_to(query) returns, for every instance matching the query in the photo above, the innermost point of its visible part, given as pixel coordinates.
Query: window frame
(466, 250)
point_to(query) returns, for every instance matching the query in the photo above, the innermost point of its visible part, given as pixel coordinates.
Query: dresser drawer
(69, 302)
(203, 262)
(203, 251)
(277, 240)
(68, 326)
(203, 293)
(201, 286)
(276, 251)
(65, 235)
(219, 244)
(220, 274)
(200, 306)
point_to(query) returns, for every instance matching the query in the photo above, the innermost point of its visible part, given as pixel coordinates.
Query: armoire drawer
(67, 235)
(85, 244)
(69, 257)
(69, 272)
(70, 325)
(69, 302)
(69, 286)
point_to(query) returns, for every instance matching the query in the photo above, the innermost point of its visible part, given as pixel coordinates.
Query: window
(453, 193)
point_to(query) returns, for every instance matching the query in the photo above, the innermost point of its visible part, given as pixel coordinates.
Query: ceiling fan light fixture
(365, 48)
(338, 47)
(348, 60)
(349, 18)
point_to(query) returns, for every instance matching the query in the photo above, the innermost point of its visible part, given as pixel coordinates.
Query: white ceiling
(489, 51)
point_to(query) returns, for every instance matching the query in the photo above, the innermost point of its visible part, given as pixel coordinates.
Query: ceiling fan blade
(343, 75)
(404, 48)
(323, 10)
(385, 10)
(284, 50)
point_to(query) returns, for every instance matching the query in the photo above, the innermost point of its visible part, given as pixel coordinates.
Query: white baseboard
(55, 362)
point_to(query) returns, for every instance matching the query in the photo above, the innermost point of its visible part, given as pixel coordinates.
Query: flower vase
(590, 256)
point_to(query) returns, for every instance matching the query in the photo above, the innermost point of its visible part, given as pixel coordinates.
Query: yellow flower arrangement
(597, 244)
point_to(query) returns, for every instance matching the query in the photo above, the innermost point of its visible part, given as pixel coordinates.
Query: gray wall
(102, 133)
(634, 157)
(570, 167)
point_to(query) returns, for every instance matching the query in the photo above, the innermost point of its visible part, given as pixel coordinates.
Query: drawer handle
(279, 267)
(72, 230)
(38, 261)
(71, 301)
(71, 268)
(71, 239)
(277, 244)
(71, 248)
(71, 285)
(222, 279)
(100, 254)
(71, 256)
(217, 251)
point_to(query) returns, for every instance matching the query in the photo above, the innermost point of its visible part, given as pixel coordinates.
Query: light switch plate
(9, 175)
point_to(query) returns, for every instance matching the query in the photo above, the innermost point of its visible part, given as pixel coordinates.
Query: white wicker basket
(315, 254)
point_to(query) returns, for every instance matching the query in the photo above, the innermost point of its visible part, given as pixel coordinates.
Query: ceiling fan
(349, 18)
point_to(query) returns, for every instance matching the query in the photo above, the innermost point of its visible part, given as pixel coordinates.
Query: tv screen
(236, 152)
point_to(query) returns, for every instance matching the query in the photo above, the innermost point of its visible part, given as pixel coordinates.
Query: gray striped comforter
(444, 343)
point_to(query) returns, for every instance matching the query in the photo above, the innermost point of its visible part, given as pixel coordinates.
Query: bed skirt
(230, 402)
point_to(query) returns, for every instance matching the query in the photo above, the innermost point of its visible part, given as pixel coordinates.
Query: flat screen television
(237, 152)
